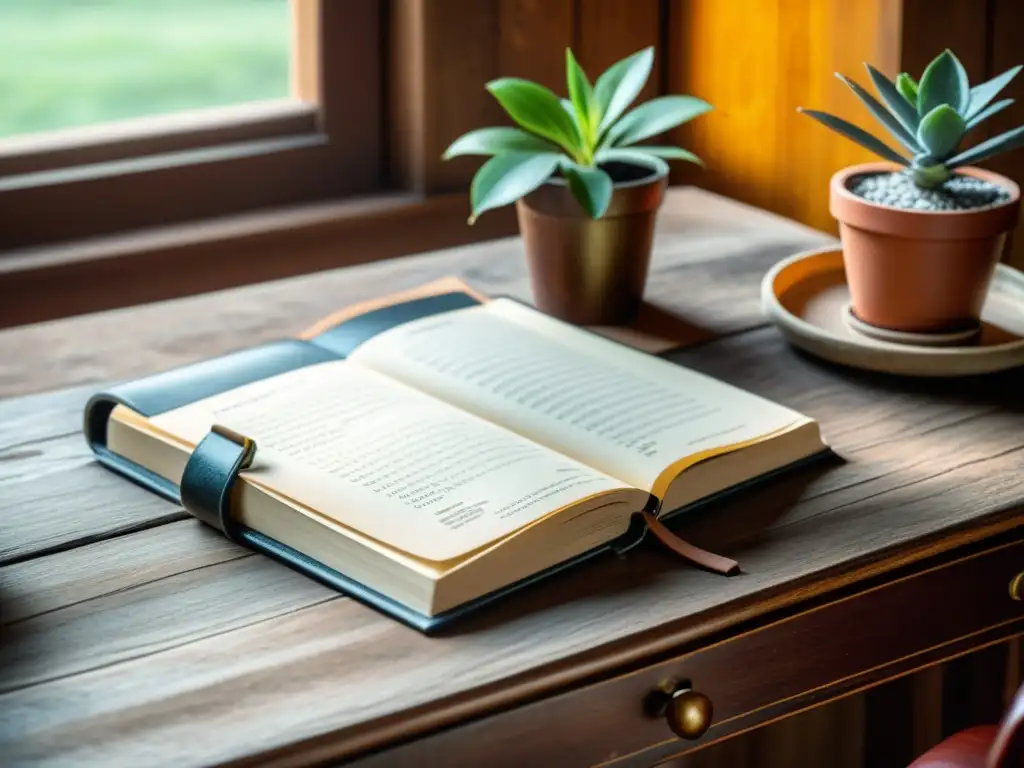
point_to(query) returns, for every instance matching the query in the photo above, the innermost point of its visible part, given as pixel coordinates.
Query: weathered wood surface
(130, 635)
(710, 255)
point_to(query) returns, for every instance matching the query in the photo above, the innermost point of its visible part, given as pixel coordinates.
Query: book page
(390, 462)
(628, 414)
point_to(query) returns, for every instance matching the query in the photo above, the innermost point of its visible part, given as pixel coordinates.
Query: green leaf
(907, 87)
(988, 111)
(944, 82)
(941, 131)
(889, 121)
(592, 187)
(855, 134)
(905, 112)
(669, 153)
(982, 94)
(654, 117)
(620, 84)
(633, 156)
(537, 110)
(570, 110)
(928, 176)
(582, 97)
(505, 178)
(494, 141)
(1004, 142)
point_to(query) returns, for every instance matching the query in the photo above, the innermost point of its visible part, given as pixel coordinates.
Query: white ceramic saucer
(806, 296)
(951, 339)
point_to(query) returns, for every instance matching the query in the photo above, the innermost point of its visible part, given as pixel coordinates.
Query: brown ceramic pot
(585, 271)
(919, 271)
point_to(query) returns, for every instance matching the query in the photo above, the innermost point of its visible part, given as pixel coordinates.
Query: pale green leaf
(494, 141)
(907, 87)
(855, 134)
(581, 96)
(619, 86)
(505, 178)
(537, 110)
(654, 117)
(591, 187)
(982, 94)
(944, 82)
(1004, 142)
(669, 153)
(894, 100)
(888, 120)
(928, 176)
(940, 131)
(988, 111)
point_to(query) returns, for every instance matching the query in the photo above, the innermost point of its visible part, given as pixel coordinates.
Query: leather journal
(430, 452)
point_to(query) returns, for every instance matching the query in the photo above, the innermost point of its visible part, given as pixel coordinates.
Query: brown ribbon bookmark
(701, 557)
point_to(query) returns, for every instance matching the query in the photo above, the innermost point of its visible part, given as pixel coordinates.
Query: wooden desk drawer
(751, 678)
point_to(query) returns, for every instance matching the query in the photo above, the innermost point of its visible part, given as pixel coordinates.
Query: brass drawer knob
(689, 714)
(1017, 586)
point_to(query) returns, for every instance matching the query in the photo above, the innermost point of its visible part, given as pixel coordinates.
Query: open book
(441, 450)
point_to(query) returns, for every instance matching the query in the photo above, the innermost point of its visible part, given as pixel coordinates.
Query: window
(120, 115)
(68, 63)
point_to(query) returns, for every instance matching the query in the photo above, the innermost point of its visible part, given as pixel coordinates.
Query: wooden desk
(132, 635)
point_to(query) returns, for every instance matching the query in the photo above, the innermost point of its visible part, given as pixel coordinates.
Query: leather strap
(210, 475)
(699, 557)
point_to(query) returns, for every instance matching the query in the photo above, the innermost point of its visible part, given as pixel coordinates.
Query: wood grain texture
(154, 135)
(1007, 21)
(130, 633)
(871, 650)
(532, 38)
(609, 30)
(351, 71)
(827, 735)
(930, 26)
(137, 268)
(756, 61)
(710, 254)
(926, 466)
(985, 36)
(445, 51)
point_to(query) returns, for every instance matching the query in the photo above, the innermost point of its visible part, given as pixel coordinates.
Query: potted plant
(921, 238)
(586, 191)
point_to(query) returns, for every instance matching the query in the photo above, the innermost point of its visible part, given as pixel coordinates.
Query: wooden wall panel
(609, 30)
(533, 37)
(444, 51)
(1007, 50)
(929, 26)
(756, 61)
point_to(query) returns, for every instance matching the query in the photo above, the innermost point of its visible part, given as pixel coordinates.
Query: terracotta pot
(919, 271)
(585, 271)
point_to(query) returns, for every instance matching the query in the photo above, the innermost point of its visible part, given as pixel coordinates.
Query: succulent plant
(930, 118)
(573, 136)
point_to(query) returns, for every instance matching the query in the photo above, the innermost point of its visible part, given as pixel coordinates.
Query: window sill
(159, 134)
(151, 265)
